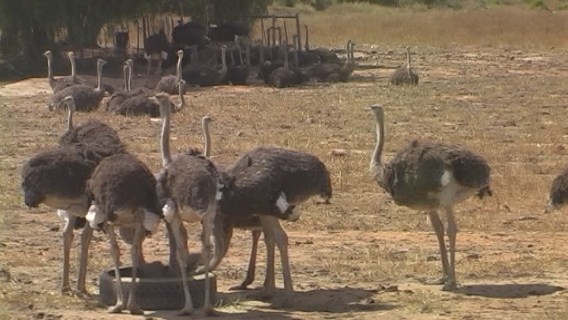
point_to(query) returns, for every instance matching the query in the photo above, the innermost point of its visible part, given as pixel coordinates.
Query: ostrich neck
(70, 117)
(181, 89)
(178, 69)
(376, 165)
(307, 45)
(408, 59)
(49, 70)
(99, 76)
(223, 70)
(125, 77)
(165, 137)
(207, 139)
(73, 68)
(129, 82)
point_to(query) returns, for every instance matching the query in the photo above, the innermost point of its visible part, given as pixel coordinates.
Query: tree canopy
(28, 27)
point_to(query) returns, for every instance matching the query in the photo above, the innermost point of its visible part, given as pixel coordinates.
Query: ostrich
(138, 90)
(283, 77)
(204, 76)
(558, 195)
(57, 178)
(325, 55)
(266, 184)
(335, 71)
(141, 104)
(62, 82)
(405, 74)
(238, 74)
(431, 176)
(122, 191)
(117, 98)
(170, 84)
(189, 187)
(86, 98)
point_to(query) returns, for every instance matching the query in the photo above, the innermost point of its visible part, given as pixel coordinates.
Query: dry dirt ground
(362, 257)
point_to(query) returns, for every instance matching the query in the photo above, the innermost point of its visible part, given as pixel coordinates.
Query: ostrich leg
(439, 230)
(252, 262)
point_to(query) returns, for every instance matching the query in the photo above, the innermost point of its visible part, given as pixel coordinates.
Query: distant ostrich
(266, 185)
(238, 74)
(334, 71)
(138, 90)
(86, 98)
(188, 184)
(405, 74)
(156, 45)
(431, 176)
(201, 75)
(170, 83)
(558, 195)
(123, 193)
(117, 98)
(62, 82)
(140, 105)
(283, 77)
(325, 55)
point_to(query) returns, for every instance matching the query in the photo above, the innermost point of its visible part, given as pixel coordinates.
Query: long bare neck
(178, 68)
(73, 68)
(99, 75)
(376, 165)
(129, 87)
(49, 70)
(165, 136)
(223, 61)
(181, 89)
(206, 137)
(70, 109)
(408, 58)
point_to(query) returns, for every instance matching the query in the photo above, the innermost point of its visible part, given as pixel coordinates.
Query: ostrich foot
(450, 285)
(186, 311)
(436, 282)
(82, 293)
(209, 311)
(66, 290)
(116, 309)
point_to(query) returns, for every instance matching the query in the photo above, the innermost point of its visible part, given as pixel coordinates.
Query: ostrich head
(180, 53)
(71, 55)
(48, 54)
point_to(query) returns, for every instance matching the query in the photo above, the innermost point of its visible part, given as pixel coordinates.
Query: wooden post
(298, 31)
(273, 30)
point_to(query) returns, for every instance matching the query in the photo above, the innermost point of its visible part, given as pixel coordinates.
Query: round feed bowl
(156, 290)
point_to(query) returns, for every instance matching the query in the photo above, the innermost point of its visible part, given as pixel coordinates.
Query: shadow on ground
(513, 290)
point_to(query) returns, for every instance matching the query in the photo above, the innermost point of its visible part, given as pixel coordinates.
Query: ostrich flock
(94, 182)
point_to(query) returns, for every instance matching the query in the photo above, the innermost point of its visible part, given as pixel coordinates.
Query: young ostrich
(169, 84)
(431, 176)
(123, 193)
(189, 187)
(267, 183)
(117, 98)
(405, 74)
(283, 77)
(86, 98)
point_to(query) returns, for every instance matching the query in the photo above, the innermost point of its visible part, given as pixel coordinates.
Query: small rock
(473, 256)
(309, 120)
(285, 126)
(54, 228)
(432, 258)
(339, 152)
(240, 134)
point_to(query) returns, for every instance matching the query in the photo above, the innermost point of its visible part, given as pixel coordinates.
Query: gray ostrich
(238, 74)
(405, 74)
(283, 77)
(202, 75)
(86, 98)
(141, 104)
(335, 71)
(62, 82)
(117, 98)
(189, 187)
(558, 195)
(170, 83)
(122, 191)
(265, 185)
(57, 178)
(431, 176)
